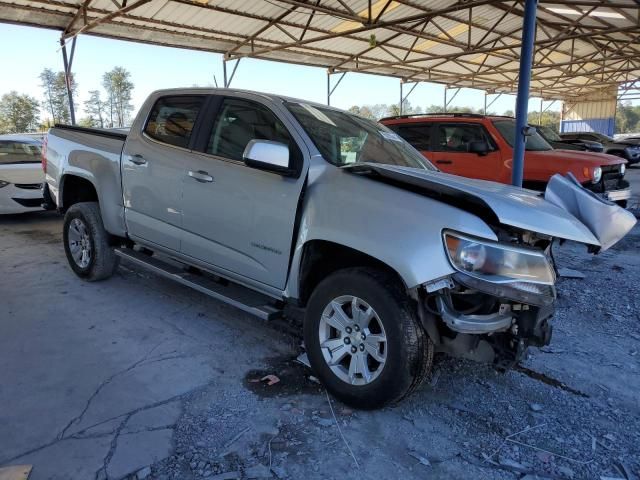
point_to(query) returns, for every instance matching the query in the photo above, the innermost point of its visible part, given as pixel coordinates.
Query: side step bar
(232, 294)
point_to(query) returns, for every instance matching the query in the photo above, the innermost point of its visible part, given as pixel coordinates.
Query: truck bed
(93, 156)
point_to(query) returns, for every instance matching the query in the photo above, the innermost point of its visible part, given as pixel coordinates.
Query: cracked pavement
(94, 375)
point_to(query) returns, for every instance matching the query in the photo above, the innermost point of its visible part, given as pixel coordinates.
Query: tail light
(44, 154)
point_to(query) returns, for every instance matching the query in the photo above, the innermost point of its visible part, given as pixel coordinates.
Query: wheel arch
(321, 258)
(74, 189)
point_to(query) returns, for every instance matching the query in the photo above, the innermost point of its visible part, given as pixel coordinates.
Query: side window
(456, 137)
(172, 119)
(417, 134)
(240, 121)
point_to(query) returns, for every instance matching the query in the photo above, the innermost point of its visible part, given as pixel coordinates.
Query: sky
(29, 50)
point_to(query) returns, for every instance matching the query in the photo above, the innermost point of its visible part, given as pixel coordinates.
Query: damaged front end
(500, 299)
(498, 303)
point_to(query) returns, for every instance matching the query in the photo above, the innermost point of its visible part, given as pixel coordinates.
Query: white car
(21, 175)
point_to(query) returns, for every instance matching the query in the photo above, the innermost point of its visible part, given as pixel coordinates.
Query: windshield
(345, 139)
(535, 143)
(549, 134)
(16, 151)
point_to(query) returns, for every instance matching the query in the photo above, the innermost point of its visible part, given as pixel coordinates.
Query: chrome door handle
(137, 159)
(201, 176)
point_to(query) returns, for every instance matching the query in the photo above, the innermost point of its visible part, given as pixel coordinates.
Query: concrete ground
(102, 380)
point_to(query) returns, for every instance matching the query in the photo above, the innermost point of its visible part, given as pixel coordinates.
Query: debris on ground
(270, 379)
(303, 358)
(536, 407)
(143, 473)
(15, 472)
(422, 459)
(570, 273)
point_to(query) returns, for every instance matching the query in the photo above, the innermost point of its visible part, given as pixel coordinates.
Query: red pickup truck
(480, 146)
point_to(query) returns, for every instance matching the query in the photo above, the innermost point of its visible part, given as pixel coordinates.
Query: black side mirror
(481, 147)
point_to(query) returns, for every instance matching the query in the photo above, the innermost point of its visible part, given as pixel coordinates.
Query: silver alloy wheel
(79, 243)
(352, 340)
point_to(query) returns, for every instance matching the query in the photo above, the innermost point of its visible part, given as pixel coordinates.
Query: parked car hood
(589, 159)
(516, 207)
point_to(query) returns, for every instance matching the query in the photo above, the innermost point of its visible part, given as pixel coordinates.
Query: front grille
(29, 202)
(611, 169)
(29, 186)
(607, 185)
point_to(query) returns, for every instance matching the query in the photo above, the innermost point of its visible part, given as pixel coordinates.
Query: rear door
(236, 218)
(451, 151)
(153, 167)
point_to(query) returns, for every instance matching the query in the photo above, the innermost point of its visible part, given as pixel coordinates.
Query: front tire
(86, 243)
(363, 338)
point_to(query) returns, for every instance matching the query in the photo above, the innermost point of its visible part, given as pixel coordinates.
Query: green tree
(364, 111)
(549, 118)
(18, 113)
(47, 77)
(56, 99)
(95, 109)
(627, 118)
(119, 87)
(87, 122)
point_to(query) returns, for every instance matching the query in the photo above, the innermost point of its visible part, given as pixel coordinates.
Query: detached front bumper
(612, 187)
(498, 333)
(617, 195)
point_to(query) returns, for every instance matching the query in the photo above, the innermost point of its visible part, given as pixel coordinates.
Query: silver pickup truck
(275, 205)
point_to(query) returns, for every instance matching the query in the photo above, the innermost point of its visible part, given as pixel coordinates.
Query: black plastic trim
(92, 131)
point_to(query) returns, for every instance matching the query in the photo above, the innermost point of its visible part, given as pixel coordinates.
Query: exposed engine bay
(490, 322)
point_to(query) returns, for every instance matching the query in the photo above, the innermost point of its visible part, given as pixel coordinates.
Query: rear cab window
(172, 119)
(16, 151)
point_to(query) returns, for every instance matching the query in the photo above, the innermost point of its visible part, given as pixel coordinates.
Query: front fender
(400, 228)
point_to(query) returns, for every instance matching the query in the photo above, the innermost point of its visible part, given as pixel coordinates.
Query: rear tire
(87, 244)
(392, 368)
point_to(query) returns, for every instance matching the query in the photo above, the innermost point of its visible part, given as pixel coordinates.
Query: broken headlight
(523, 269)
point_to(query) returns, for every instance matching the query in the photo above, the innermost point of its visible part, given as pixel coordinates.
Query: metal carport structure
(581, 47)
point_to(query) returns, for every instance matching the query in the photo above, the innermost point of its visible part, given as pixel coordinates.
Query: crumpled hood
(517, 207)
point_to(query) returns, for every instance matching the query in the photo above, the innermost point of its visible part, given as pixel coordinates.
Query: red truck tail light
(44, 154)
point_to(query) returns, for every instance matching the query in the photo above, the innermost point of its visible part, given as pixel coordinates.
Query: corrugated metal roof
(582, 46)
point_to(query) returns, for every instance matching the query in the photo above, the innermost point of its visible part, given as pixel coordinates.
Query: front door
(451, 151)
(153, 169)
(236, 218)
